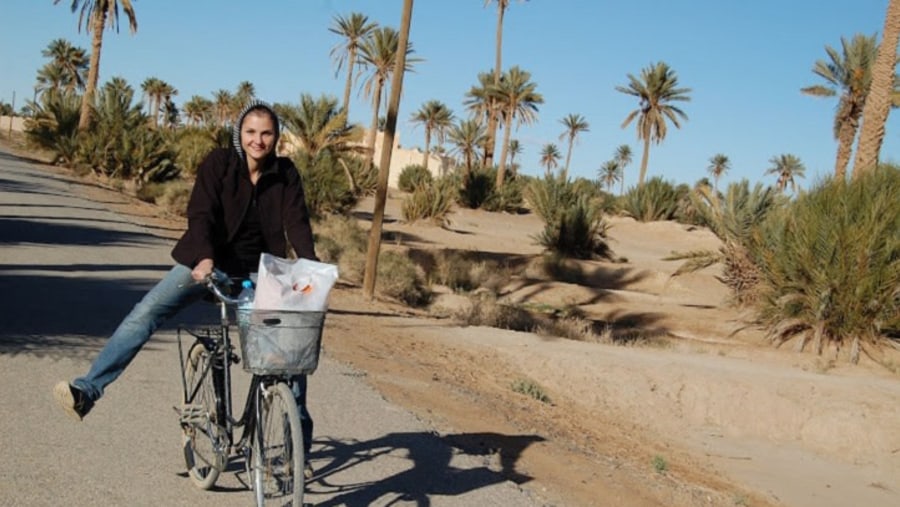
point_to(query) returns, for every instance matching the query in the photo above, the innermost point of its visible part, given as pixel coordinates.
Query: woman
(244, 202)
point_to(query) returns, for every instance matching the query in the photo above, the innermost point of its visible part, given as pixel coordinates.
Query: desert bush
(508, 198)
(573, 220)
(432, 201)
(54, 126)
(531, 389)
(734, 218)
(830, 264)
(399, 278)
(477, 188)
(487, 310)
(657, 199)
(412, 177)
(571, 327)
(325, 184)
(340, 240)
(192, 144)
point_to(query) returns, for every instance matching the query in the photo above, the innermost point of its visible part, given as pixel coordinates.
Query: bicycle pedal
(192, 414)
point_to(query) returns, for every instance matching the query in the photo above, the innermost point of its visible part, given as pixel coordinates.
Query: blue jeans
(176, 291)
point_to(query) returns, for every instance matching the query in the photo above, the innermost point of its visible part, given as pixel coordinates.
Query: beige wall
(401, 157)
(17, 123)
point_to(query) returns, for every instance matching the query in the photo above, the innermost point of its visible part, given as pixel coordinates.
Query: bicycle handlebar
(215, 282)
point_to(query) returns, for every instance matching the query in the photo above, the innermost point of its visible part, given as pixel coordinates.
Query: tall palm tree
(493, 113)
(787, 168)
(515, 149)
(223, 105)
(354, 29)
(718, 165)
(575, 124)
(849, 76)
(95, 15)
(623, 158)
(881, 94)
(610, 172)
(400, 67)
(482, 105)
(550, 157)
(467, 137)
(656, 90)
(198, 110)
(436, 118)
(380, 51)
(152, 87)
(244, 93)
(518, 100)
(72, 61)
(52, 79)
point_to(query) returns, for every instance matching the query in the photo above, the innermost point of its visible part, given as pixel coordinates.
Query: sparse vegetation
(531, 389)
(660, 464)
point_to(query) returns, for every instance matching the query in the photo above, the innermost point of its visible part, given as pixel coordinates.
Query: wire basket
(279, 342)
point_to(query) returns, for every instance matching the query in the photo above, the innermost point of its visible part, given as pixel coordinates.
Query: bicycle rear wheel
(277, 457)
(205, 439)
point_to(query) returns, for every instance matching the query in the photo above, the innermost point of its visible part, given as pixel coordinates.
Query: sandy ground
(700, 411)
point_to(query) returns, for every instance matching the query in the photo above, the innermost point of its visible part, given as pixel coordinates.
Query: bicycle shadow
(431, 469)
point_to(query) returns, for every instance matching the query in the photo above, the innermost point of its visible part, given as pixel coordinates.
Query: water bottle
(245, 303)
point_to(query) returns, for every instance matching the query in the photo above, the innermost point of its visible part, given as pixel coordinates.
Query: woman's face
(257, 135)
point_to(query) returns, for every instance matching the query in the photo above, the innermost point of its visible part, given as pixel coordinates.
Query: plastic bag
(293, 285)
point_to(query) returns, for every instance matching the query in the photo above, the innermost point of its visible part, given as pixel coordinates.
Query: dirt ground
(699, 410)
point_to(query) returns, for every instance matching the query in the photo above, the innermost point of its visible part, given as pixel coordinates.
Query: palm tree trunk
(376, 104)
(846, 136)
(878, 102)
(644, 159)
(351, 63)
(565, 173)
(493, 122)
(387, 145)
(501, 169)
(90, 88)
(427, 146)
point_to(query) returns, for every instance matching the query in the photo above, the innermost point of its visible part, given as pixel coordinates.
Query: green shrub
(412, 177)
(339, 240)
(432, 201)
(54, 126)
(192, 144)
(573, 218)
(478, 189)
(830, 264)
(325, 184)
(531, 389)
(486, 310)
(657, 199)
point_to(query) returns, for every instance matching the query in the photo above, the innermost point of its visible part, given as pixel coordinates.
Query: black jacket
(221, 196)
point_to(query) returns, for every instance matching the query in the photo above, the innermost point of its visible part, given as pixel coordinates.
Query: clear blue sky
(744, 61)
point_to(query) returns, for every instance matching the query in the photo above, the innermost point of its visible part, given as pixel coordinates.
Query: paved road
(69, 270)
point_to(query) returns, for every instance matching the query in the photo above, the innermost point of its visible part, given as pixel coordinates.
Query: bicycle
(274, 346)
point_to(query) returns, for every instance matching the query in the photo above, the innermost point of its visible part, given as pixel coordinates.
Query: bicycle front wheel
(277, 457)
(205, 439)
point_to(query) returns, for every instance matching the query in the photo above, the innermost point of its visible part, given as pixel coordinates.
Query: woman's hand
(202, 270)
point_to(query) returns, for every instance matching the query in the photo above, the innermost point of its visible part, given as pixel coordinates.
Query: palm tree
(656, 89)
(550, 157)
(493, 118)
(380, 51)
(158, 93)
(95, 15)
(244, 93)
(223, 105)
(575, 124)
(72, 61)
(480, 103)
(787, 168)
(436, 118)
(718, 165)
(52, 79)
(610, 172)
(467, 137)
(881, 94)
(623, 158)
(400, 67)
(515, 148)
(849, 75)
(198, 110)
(354, 29)
(518, 100)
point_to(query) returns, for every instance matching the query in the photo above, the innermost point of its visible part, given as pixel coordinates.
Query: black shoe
(72, 400)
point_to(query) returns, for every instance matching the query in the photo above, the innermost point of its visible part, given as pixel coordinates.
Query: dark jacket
(221, 196)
